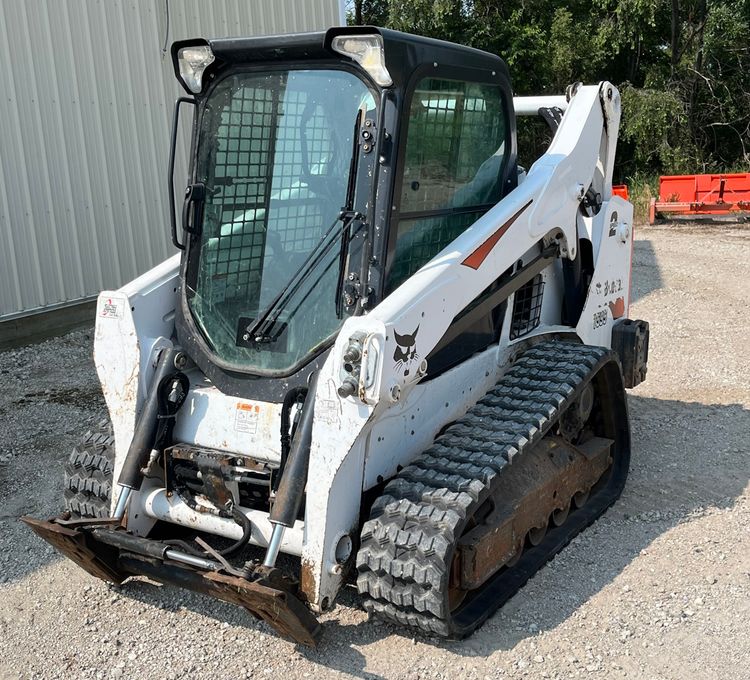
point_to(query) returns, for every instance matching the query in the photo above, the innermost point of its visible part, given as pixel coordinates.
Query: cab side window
(453, 168)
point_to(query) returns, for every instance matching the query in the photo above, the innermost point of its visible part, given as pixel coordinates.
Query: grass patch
(642, 188)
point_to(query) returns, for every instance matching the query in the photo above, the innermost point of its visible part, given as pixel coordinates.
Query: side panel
(130, 323)
(608, 297)
(355, 446)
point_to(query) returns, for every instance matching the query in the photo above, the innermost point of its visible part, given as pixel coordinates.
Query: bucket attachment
(265, 596)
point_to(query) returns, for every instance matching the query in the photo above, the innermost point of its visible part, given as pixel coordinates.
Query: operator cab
(326, 169)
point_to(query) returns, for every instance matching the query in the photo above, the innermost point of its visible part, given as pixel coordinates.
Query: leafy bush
(682, 66)
(654, 123)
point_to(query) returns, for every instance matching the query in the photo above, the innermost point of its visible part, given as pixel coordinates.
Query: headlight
(367, 51)
(193, 61)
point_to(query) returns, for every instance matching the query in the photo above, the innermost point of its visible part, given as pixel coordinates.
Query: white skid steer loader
(384, 350)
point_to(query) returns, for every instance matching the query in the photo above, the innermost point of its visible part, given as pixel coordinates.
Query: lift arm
(542, 210)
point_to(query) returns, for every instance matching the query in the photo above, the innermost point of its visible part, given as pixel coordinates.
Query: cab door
(457, 154)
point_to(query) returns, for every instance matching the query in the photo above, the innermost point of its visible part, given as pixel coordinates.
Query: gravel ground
(658, 588)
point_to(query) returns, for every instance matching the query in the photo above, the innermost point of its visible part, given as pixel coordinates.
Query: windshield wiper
(349, 207)
(259, 331)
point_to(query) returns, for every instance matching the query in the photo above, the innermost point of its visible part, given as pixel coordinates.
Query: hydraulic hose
(291, 398)
(157, 416)
(238, 517)
(294, 477)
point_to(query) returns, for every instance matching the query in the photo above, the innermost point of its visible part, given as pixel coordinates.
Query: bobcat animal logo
(406, 352)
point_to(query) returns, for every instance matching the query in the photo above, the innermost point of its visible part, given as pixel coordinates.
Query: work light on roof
(193, 61)
(367, 51)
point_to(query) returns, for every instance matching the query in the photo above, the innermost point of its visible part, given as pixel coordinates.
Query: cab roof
(404, 53)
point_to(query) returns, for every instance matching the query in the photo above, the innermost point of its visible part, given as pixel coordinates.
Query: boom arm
(543, 208)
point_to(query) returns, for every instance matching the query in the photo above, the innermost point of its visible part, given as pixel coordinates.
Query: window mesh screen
(264, 146)
(454, 127)
(454, 160)
(275, 149)
(527, 307)
(420, 240)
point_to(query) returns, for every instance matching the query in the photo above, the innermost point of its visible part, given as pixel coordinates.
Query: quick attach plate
(278, 607)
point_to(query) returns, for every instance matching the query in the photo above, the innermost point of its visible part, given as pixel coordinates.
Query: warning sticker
(112, 309)
(328, 410)
(246, 418)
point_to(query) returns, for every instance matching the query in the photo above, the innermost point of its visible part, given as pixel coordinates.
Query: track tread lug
(87, 485)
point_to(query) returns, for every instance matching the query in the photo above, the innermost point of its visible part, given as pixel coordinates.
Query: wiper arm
(353, 164)
(258, 331)
(349, 206)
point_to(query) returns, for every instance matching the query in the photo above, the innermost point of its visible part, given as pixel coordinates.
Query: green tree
(682, 66)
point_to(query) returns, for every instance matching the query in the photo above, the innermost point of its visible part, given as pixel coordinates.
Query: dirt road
(658, 588)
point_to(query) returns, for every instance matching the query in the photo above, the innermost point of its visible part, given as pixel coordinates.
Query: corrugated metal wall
(86, 95)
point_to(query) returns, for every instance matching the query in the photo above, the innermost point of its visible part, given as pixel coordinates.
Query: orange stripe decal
(617, 307)
(480, 254)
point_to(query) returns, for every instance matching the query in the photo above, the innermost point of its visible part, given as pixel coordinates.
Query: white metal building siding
(86, 99)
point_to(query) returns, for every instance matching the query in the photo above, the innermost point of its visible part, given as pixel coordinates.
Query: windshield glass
(274, 152)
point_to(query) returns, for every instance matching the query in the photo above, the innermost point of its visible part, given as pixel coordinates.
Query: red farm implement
(621, 190)
(696, 195)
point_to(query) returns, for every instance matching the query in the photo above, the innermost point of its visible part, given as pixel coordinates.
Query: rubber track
(407, 544)
(88, 473)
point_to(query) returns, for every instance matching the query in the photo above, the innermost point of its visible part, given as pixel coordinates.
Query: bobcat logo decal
(406, 352)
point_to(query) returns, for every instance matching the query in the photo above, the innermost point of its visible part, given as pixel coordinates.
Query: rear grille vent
(527, 307)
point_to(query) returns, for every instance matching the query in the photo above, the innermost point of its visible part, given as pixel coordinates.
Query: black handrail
(170, 172)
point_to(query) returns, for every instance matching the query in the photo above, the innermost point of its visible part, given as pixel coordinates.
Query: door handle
(192, 208)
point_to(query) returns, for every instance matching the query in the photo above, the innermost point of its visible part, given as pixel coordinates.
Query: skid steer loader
(385, 349)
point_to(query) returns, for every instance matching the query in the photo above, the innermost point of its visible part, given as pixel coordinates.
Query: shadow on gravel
(335, 651)
(42, 428)
(646, 274)
(685, 457)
